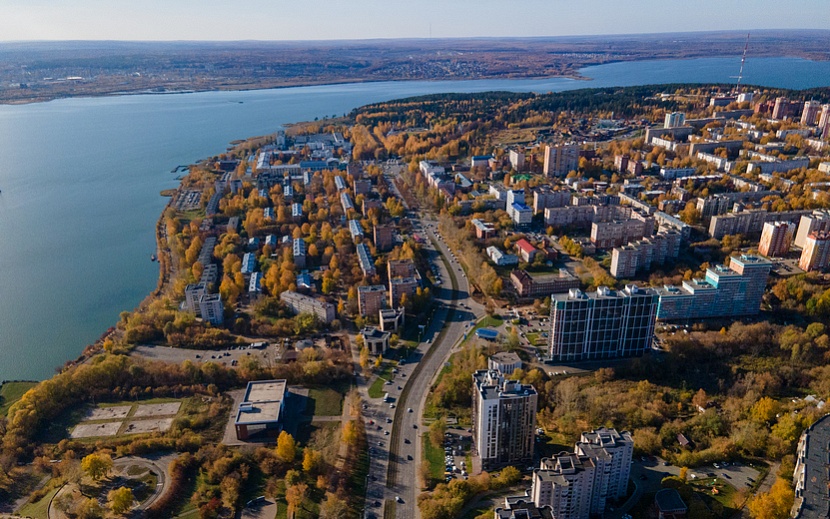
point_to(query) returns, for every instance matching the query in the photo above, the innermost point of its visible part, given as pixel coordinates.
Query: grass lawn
(39, 509)
(376, 390)
(327, 402)
(435, 457)
(533, 338)
(11, 392)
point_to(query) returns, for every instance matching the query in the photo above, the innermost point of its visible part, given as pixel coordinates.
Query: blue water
(80, 181)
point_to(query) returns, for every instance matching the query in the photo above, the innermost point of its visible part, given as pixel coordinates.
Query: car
(386, 433)
(406, 441)
(399, 388)
(398, 499)
(727, 476)
(379, 427)
(414, 426)
(380, 444)
(388, 420)
(716, 465)
(409, 410)
(387, 383)
(371, 422)
(391, 406)
(377, 503)
(409, 457)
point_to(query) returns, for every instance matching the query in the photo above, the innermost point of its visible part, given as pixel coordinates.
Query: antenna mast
(741, 71)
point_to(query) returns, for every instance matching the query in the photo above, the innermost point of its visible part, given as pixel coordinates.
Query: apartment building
(732, 291)
(605, 235)
(776, 238)
(544, 197)
(384, 237)
(522, 215)
(565, 483)
(749, 222)
(371, 299)
(541, 285)
(192, 294)
(816, 253)
(504, 419)
(211, 309)
(578, 485)
(299, 252)
(639, 256)
(810, 113)
(612, 453)
(299, 303)
(818, 220)
(561, 160)
(365, 260)
(811, 478)
(674, 120)
(517, 160)
(603, 324)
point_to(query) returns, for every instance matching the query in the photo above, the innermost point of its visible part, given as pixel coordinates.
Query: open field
(11, 392)
(123, 419)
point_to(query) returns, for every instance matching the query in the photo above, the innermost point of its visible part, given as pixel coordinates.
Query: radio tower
(741, 71)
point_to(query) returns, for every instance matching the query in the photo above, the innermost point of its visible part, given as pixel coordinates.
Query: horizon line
(426, 39)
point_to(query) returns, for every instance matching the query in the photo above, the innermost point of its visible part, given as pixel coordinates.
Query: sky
(367, 19)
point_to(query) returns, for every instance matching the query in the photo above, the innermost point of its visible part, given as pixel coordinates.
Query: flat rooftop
(263, 402)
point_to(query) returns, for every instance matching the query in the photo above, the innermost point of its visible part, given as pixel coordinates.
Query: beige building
(818, 220)
(641, 255)
(561, 160)
(776, 238)
(299, 303)
(816, 253)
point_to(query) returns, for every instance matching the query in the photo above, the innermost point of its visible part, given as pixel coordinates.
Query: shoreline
(22, 102)
(578, 76)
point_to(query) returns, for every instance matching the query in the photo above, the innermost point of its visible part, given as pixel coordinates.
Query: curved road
(456, 310)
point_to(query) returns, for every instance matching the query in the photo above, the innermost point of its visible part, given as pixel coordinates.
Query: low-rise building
(391, 319)
(260, 414)
(484, 230)
(299, 303)
(541, 285)
(376, 341)
(364, 258)
(505, 362)
(670, 505)
(527, 252)
(500, 258)
(355, 229)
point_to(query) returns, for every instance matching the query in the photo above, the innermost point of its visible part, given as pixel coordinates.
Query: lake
(80, 181)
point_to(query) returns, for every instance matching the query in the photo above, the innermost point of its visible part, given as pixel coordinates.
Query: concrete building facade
(504, 419)
(602, 325)
(776, 238)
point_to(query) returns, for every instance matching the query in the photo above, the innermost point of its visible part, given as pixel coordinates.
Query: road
(456, 309)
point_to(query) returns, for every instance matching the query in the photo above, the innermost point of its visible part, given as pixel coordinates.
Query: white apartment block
(565, 483)
(504, 419)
